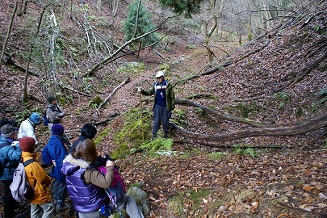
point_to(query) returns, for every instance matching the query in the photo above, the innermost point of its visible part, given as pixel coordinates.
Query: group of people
(73, 171)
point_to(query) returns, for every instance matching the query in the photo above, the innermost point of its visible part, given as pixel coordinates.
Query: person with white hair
(164, 103)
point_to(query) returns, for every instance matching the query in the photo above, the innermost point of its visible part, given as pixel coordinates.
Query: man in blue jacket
(10, 155)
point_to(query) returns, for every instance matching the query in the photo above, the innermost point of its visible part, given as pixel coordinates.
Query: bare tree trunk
(30, 53)
(208, 34)
(98, 5)
(219, 18)
(53, 38)
(115, 4)
(8, 33)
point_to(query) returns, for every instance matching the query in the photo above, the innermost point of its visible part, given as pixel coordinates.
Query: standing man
(27, 127)
(10, 154)
(53, 113)
(53, 155)
(164, 103)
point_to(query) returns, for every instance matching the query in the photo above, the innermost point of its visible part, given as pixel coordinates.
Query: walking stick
(141, 116)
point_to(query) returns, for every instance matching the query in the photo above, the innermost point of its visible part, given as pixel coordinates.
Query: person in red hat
(41, 204)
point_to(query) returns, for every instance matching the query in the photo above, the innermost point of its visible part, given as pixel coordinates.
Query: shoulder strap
(28, 162)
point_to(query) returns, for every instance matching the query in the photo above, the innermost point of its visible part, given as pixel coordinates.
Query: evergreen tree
(185, 7)
(139, 22)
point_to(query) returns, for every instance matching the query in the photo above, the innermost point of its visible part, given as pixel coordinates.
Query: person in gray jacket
(53, 113)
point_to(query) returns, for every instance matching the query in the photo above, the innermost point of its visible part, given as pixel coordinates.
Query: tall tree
(139, 22)
(186, 8)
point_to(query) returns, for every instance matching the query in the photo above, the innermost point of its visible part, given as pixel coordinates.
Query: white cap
(160, 74)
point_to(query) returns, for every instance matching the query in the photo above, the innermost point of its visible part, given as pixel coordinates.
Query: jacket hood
(70, 165)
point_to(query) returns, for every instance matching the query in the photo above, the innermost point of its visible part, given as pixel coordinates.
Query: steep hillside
(278, 79)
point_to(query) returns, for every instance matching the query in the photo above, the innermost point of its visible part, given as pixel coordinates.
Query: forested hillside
(248, 135)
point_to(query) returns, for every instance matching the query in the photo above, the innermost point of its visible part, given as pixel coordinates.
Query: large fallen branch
(296, 129)
(108, 58)
(113, 92)
(219, 115)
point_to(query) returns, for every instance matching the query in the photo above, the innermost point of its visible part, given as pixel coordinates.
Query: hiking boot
(166, 135)
(61, 207)
(154, 136)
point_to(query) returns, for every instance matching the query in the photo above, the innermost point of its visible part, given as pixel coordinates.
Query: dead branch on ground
(296, 129)
(7, 60)
(111, 116)
(219, 115)
(127, 80)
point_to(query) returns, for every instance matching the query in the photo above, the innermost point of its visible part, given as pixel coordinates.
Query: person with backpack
(117, 192)
(85, 184)
(41, 204)
(164, 103)
(10, 155)
(53, 113)
(27, 127)
(53, 155)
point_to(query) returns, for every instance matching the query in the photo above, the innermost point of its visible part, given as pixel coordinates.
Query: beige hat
(160, 74)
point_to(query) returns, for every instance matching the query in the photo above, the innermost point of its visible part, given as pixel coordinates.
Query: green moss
(132, 133)
(300, 112)
(102, 135)
(158, 147)
(131, 68)
(215, 155)
(283, 98)
(193, 197)
(95, 102)
(244, 109)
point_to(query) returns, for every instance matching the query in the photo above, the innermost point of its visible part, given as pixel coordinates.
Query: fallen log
(219, 115)
(127, 80)
(296, 129)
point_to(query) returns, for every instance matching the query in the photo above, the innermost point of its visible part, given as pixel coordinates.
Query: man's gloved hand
(170, 113)
(61, 115)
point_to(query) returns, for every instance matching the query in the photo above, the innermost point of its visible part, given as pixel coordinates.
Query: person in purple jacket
(53, 155)
(85, 183)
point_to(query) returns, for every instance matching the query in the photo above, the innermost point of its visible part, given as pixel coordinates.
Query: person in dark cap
(53, 113)
(41, 205)
(10, 154)
(53, 155)
(27, 127)
(5, 121)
